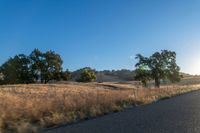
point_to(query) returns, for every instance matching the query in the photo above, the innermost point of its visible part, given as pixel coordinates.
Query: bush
(87, 75)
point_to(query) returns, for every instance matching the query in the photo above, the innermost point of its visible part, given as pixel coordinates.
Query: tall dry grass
(30, 108)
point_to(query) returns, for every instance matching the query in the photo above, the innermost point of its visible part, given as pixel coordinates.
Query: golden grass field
(31, 108)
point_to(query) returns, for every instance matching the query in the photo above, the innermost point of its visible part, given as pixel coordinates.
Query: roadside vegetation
(28, 104)
(31, 108)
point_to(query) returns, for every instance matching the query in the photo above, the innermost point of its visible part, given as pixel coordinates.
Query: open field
(30, 108)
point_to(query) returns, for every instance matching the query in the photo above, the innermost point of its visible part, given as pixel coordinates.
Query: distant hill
(108, 75)
(115, 75)
(185, 75)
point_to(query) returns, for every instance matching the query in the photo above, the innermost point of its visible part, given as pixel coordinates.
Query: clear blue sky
(103, 34)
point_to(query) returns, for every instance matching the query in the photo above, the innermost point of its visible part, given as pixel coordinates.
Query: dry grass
(30, 108)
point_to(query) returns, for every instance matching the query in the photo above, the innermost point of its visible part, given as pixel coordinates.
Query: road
(176, 115)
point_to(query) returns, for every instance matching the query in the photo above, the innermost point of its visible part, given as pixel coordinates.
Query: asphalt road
(176, 115)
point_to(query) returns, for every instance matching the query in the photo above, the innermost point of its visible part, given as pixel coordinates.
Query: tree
(64, 75)
(76, 75)
(16, 70)
(160, 65)
(87, 75)
(37, 64)
(45, 66)
(143, 75)
(52, 65)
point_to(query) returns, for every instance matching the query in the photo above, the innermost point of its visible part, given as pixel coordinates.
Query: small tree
(87, 75)
(143, 75)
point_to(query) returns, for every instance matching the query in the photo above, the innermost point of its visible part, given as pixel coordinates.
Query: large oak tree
(160, 65)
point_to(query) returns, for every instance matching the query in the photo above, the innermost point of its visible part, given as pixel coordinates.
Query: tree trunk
(157, 82)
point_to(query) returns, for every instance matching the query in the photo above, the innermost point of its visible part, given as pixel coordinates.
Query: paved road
(176, 115)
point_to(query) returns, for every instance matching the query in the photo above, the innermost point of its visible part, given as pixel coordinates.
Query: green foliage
(65, 76)
(52, 65)
(37, 64)
(45, 66)
(143, 75)
(87, 75)
(29, 69)
(160, 65)
(16, 70)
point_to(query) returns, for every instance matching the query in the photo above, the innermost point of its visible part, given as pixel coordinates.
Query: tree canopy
(45, 66)
(86, 75)
(38, 66)
(160, 65)
(16, 70)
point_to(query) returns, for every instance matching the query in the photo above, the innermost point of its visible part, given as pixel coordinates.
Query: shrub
(87, 75)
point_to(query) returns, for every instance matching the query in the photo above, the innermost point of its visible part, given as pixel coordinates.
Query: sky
(102, 34)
